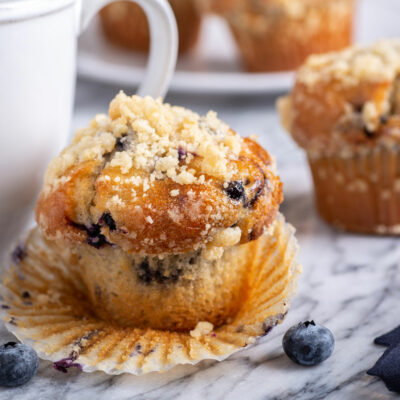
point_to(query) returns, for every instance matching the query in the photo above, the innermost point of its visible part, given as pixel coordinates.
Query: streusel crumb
(156, 139)
(158, 179)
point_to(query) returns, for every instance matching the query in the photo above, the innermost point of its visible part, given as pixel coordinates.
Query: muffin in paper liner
(280, 35)
(46, 305)
(372, 177)
(344, 112)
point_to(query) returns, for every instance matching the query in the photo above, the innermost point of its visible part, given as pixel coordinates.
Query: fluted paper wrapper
(45, 304)
(359, 192)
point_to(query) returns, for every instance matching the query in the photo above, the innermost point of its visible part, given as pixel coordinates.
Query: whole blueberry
(18, 363)
(235, 190)
(308, 343)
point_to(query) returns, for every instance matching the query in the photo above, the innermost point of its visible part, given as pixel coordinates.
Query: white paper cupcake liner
(44, 303)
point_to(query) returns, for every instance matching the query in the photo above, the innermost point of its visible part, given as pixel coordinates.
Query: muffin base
(45, 304)
(172, 293)
(359, 192)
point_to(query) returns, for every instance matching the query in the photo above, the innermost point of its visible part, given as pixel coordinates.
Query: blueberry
(181, 153)
(18, 363)
(18, 254)
(235, 190)
(308, 343)
(120, 143)
(108, 220)
(95, 237)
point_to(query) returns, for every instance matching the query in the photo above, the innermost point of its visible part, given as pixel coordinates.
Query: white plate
(214, 66)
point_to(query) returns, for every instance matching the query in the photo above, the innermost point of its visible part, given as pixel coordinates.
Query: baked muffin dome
(125, 24)
(346, 100)
(344, 110)
(156, 179)
(276, 35)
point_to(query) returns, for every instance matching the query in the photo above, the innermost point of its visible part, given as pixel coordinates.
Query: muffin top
(344, 101)
(157, 179)
(288, 8)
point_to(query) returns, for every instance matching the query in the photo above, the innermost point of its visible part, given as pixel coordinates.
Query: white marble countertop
(350, 283)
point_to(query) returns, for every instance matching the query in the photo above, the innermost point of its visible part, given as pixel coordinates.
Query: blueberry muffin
(344, 110)
(124, 24)
(275, 35)
(158, 203)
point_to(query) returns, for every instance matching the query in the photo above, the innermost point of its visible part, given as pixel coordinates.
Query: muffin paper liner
(45, 304)
(359, 192)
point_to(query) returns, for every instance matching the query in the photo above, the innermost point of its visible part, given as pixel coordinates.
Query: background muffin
(344, 111)
(125, 24)
(278, 35)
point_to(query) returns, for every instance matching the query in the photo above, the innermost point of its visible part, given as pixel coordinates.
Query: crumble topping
(380, 62)
(153, 138)
(222, 239)
(202, 328)
(126, 171)
(345, 100)
(302, 17)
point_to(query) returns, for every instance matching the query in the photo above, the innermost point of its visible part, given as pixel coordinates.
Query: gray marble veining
(350, 283)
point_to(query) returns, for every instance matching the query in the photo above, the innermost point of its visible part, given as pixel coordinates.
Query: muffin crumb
(202, 328)
(159, 135)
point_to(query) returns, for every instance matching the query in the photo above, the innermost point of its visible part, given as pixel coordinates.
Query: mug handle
(164, 41)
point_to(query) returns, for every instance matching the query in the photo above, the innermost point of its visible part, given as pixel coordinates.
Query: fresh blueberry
(150, 275)
(18, 363)
(66, 363)
(120, 143)
(308, 343)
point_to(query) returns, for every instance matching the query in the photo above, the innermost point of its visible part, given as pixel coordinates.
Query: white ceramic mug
(38, 40)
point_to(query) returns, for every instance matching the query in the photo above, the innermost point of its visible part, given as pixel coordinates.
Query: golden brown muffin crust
(172, 183)
(125, 24)
(277, 35)
(346, 100)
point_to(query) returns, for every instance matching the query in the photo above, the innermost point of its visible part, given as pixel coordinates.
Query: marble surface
(350, 283)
